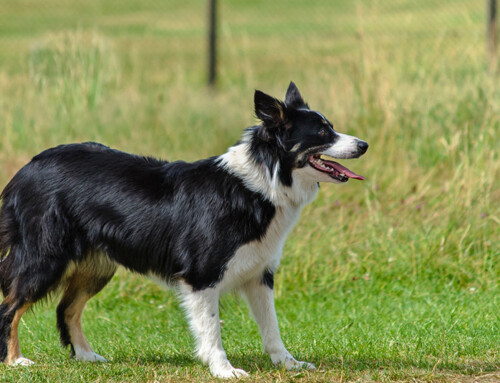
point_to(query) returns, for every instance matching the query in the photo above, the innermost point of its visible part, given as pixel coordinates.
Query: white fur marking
(252, 259)
(202, 308)
(239, 162)
(345, 147)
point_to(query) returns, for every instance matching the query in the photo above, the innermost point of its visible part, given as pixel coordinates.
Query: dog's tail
(7, 225)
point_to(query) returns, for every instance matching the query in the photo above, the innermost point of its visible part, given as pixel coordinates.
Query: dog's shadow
(255, 361)
(246, 361)
(178, 360)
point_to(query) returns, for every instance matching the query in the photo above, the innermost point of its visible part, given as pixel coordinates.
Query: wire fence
(180, 29)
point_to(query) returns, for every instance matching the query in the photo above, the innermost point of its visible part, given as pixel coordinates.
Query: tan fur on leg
(83, 281)
(13, 347)
(73, 318)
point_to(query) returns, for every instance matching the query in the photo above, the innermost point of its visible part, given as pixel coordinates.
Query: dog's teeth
(320, 163)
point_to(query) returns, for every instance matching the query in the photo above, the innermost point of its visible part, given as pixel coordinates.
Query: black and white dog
(76, 212)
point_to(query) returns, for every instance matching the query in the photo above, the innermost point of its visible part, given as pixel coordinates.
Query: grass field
(392, 279)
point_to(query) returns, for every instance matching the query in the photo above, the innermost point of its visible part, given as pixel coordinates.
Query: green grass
(392, 279)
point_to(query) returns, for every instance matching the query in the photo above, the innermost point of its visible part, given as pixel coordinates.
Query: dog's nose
(362, 146)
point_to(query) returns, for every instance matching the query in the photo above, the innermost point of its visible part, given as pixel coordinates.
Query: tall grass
(72, 68)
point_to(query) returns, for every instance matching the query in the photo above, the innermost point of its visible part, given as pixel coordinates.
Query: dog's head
(304, 140)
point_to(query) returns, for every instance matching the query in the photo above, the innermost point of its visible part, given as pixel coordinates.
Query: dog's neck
(257, 177)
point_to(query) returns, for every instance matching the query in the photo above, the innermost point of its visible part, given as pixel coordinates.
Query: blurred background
(133, 73)
(417, 244)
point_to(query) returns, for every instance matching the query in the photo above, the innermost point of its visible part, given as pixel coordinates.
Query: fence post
(491, 6)
(212, 42)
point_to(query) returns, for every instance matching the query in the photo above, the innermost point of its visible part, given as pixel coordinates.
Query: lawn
(392, 279)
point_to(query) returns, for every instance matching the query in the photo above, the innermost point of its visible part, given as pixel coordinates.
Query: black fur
(62, 326)
(178, 220)
(6, 317)
(175, 220)
(268, 279)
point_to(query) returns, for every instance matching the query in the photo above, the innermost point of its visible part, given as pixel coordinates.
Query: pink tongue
(347, 172)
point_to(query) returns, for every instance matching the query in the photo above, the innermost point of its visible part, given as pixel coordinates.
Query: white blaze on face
(344, 147)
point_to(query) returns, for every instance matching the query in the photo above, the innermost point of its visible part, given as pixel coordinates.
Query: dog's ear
(271, 111)
(293, 99)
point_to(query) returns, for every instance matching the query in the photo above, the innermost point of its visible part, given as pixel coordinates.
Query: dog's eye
(322, 132)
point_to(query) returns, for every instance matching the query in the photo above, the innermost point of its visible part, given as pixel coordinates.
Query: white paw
(291, 364)
(89, 356)
(228, 372)
(22, 361)
(297, 365)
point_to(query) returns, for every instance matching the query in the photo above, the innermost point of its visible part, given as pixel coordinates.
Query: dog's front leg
(260, 297)
(203, 312)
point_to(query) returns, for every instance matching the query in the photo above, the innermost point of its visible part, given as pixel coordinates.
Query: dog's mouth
(333, 169)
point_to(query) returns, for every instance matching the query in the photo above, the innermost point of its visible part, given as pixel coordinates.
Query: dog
(75, 212)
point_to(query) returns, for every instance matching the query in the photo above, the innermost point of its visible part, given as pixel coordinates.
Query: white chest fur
(252, 259)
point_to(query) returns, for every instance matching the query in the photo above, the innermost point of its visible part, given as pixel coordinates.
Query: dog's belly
(252, 259)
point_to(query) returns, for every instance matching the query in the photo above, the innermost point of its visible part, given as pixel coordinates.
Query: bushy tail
(5, 244)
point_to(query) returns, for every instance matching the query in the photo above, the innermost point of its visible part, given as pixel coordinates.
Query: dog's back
(174, 220)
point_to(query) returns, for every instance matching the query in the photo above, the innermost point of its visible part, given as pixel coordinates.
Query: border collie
(76, 212)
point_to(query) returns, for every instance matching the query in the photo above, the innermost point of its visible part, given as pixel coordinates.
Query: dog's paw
(22, 361)
(228, 372)
(290, 363)
(89, 357)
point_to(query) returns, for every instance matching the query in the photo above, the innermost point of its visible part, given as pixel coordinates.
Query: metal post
(492, 32)
(212, 40)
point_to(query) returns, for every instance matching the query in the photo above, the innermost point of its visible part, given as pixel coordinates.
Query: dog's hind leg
(85, 281)
(30, 279)
(26, 288)
(10, 350)
(69, 313)
(260, 298)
